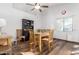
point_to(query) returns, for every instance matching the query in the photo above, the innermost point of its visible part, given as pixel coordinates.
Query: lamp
(2, 24)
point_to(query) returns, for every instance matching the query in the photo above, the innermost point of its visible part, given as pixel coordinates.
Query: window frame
(63, 24)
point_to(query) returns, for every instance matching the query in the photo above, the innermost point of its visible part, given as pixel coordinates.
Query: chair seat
(31, 42)
(4, 49)
(46, 39)
(22, 37)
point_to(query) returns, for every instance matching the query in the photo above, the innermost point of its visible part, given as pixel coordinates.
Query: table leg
(40, 46)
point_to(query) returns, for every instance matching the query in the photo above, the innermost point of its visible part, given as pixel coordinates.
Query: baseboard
(66, 40)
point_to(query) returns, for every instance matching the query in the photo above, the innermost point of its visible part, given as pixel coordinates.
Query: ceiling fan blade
(32, 9)
(29, 4)
(44, 6)
(35, 3)
(40, 10)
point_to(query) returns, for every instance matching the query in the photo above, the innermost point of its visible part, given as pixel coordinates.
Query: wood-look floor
(61, 47)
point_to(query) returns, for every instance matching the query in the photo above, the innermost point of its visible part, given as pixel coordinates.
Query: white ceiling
(27, 8)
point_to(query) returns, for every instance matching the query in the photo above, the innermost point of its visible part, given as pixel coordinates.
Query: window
(60, 24)
(64, 24)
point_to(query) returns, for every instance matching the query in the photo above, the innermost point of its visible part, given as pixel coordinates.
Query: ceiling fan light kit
(37, 7)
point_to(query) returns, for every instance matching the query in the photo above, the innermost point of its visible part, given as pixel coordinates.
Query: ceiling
(27, 8)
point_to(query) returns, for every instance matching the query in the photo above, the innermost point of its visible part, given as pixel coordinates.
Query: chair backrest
(8, 47)
(18, 33)
(10, 41)
(51, 34)
(48, 31)
(31, 37)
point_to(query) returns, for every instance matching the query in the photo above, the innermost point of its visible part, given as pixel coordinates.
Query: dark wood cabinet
(27, 24)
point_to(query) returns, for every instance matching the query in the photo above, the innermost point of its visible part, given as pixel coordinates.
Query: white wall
(46, 20)
(38, 21)
(13, 17)
(54, 12)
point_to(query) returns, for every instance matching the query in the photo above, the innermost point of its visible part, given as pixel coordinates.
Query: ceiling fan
(37, 6)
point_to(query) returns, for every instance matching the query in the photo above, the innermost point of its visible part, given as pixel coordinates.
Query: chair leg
(30, 47)
(49, 46)
(40, 45)
(40, 48)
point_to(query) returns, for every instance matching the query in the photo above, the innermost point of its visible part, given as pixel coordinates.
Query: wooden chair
(38, 42)
(19, 34)
(6, 46)
(19, 38)
(49, 39)
(31, 39)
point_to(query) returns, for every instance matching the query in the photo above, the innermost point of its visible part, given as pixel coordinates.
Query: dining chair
(48, 40)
